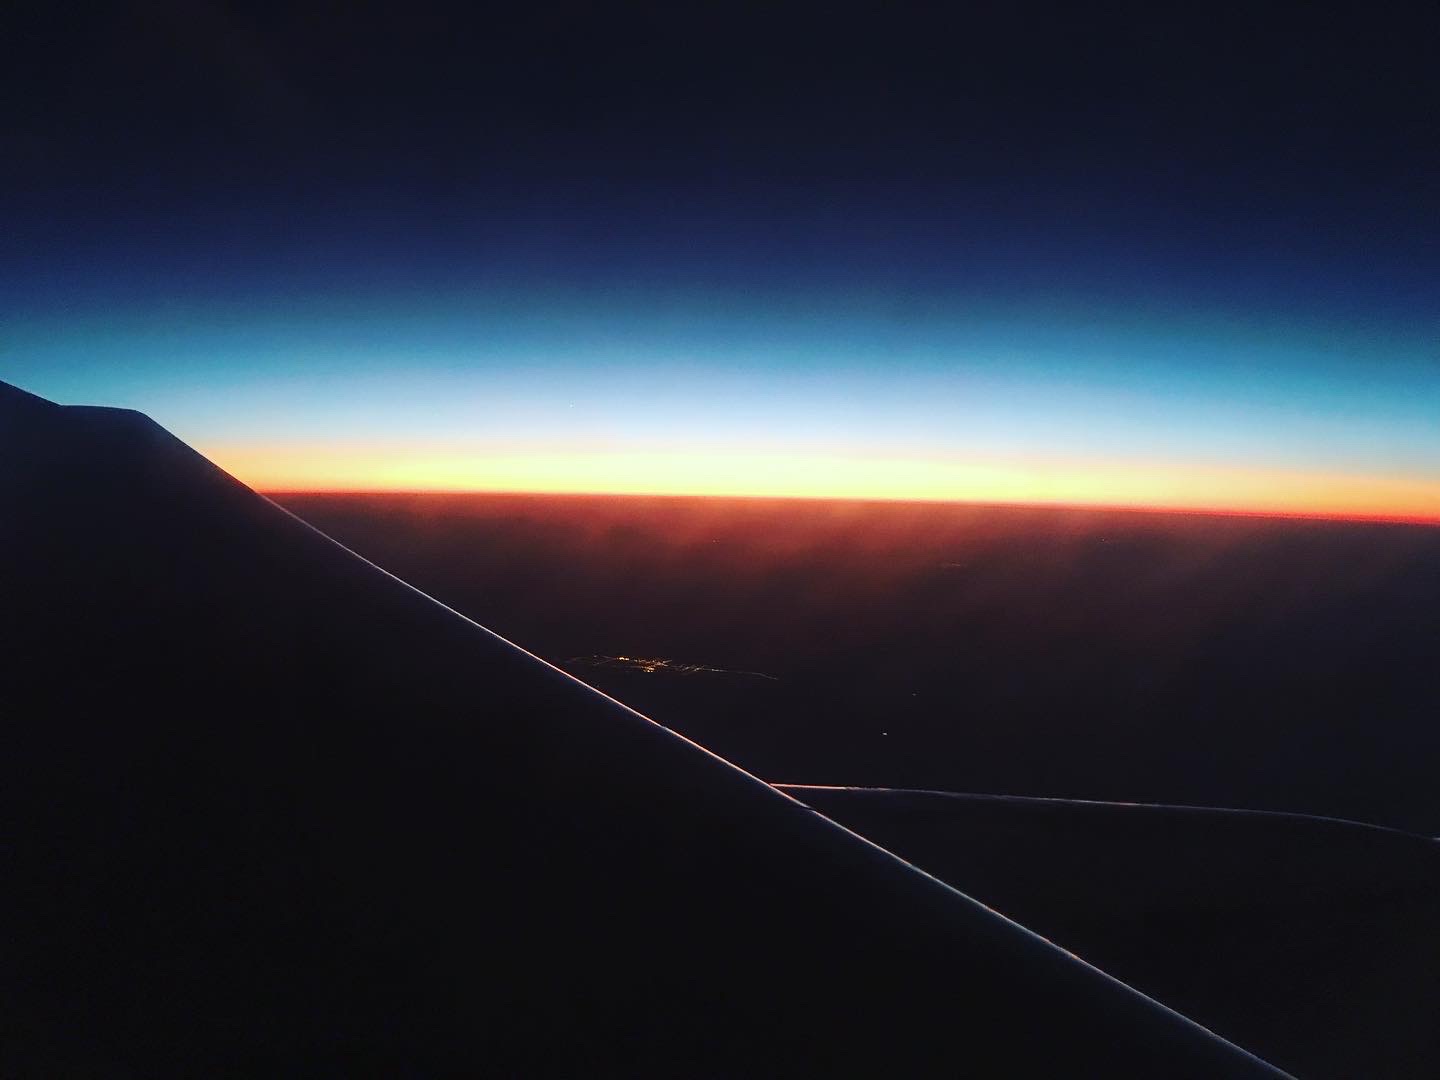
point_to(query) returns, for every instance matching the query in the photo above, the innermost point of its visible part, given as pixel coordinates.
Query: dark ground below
(1227, 661)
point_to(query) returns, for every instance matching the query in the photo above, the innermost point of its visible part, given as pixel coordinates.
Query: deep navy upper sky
(1198, 237)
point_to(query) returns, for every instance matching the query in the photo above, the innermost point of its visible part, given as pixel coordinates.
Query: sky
(1017, 254)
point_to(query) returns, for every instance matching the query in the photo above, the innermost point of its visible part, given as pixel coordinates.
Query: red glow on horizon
(1117, 508)
(750, 474)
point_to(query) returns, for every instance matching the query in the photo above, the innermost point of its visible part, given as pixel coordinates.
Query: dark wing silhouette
(270, 811)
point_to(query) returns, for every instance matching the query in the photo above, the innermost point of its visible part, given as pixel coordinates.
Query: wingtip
(13, 400)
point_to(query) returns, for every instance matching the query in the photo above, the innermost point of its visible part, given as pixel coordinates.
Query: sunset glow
(896, 340)
(838, 476)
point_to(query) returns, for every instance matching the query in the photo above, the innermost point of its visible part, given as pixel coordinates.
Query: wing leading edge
(274, 810)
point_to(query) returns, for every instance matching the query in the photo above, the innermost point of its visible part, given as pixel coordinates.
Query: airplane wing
(270, 811)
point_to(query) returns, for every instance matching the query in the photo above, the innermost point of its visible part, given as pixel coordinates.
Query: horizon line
(1338, 516)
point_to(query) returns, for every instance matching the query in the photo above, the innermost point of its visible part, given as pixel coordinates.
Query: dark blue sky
(1199, 239)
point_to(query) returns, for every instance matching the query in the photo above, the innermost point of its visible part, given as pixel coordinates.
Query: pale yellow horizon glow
(812, 474)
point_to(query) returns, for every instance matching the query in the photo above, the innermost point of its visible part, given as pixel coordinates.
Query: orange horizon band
(1379, 518)
(834, 476)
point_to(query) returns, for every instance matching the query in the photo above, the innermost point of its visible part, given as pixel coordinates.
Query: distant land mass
(1241, 661)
